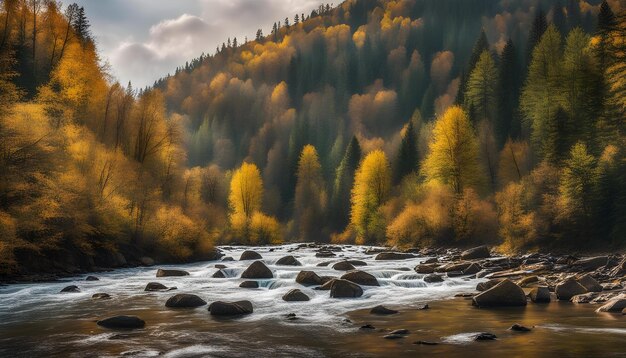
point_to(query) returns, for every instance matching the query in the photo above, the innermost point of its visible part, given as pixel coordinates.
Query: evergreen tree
(407, 159)
(606, 22)
(481, 88)
(259, 35)
(538, 27)
(481, 45)
(296, 19)
(81, 26)
(508, 119)
(558, 18)
(310, 196)
(344, 178)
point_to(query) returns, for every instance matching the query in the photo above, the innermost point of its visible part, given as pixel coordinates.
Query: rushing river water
(37, 320)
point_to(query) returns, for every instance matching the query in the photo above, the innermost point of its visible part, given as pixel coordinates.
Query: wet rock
(367, 326)
(426, 343)
(484, 286)
(343, 266)
(591, 263)
(71, 289)
(474, 268)
(619, 270)
(324, 279)
(288, 261)
(394, 256)
(432, 260)
(605, 297)
(357, 263)
(249, 284)
(505, 293)
(540, 295)
(519, 328)
(400, 331)
(101, 296)
(220, 308)
(526, 281)
(361, 278)
(433, 278)
(345, 289)
(295, 295)
(92, 278)
(220, 266)
(250, 255)
(485, 337)
(171, 273)
(455, 266)
(155, 286)
(424, 269)
(393, 336)
(382, 310)
(326, 286)
(308, 278)
(122, 322)
(257, 270)
(568, 289)
(324, 264)
(481, 252)
(584, 298)
(455, 274)
(184, 300)
(325, 254)
(227, 258)
(615, 305)
(219, 274)
(612, 286)
(146, 261)
(588, 282)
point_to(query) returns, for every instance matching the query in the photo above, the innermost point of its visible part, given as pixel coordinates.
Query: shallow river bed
(37, 320)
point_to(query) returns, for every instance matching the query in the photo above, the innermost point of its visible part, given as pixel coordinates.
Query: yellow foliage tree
(310, 197)
(246, 194)
(454, 153)
(372, 182)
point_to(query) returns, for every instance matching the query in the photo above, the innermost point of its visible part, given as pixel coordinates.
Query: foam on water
(399, 286)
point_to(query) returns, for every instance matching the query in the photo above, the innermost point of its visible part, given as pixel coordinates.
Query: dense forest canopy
(408, 122)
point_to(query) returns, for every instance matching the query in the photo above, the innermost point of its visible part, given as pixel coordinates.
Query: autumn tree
(246, 194)
(310, 198)
(372, 183)
(454, 152)
(537, 29)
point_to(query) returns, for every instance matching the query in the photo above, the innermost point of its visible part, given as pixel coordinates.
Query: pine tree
(481, 88)
(310, 196)
(537, 29)
(259, 35)
(407, 159)
(508, 120)
(481, 45)
(344, 178)
(81, 26)
(296, 19)
(558, 18)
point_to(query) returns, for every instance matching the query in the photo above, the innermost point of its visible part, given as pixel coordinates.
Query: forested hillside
(409, 123)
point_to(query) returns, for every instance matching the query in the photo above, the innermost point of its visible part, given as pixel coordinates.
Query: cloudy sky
(146, 39)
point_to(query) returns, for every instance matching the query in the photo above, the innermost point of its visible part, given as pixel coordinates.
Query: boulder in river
(619, 270)
(249, 284)
(590, 283)
(357, 262)
(343, 266)
(219, 274)
(326, 286)
(485, 337)
(122, 322)
(382, 310)
(472, 269)
(257, 270)
(394, 256)
(220, 308)
(171, 273)
(361, 278)
(519, 328)
(590, 263)
(288, 261)
(505, 293)
(568, 289)
(433, 278)
(584, 298)
(425, 268)
(155, 286)
(185, 300)
(147, 261)
(325, 253)
(527, 281)
(101, 296)
(345, 289)
(540, 294)
(70, 289)
(481, 252)
(308, 278)
(227, 259)
(615, 305)
(250, 255)
(295, 295)
(92, 278)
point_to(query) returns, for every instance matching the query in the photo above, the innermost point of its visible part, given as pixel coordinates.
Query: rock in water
(92, 278)
(122, 322)
(295, 295)
(361, 278)
(171, 273)
(519, 328)
(219, 274)
(71, 289)
(184, 300)
(433, 278)
(485, 337)
(591, 263)
(481, 252)
(484, 286)
(540, 295)
(101, 296)
(155, 286)
(288, 261)
(590, 283)
(249, 284)
(505, 293)
(615, 305)
(308, 278)
(343, 266)
(250, 255)
(472, 269)
(424, 268)
(345, 289)
(220, 308)
(394, 256)
(568, 289)
(257, 270)
(382, 310)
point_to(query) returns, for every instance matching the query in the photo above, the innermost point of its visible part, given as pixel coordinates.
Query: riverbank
(36, 318)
